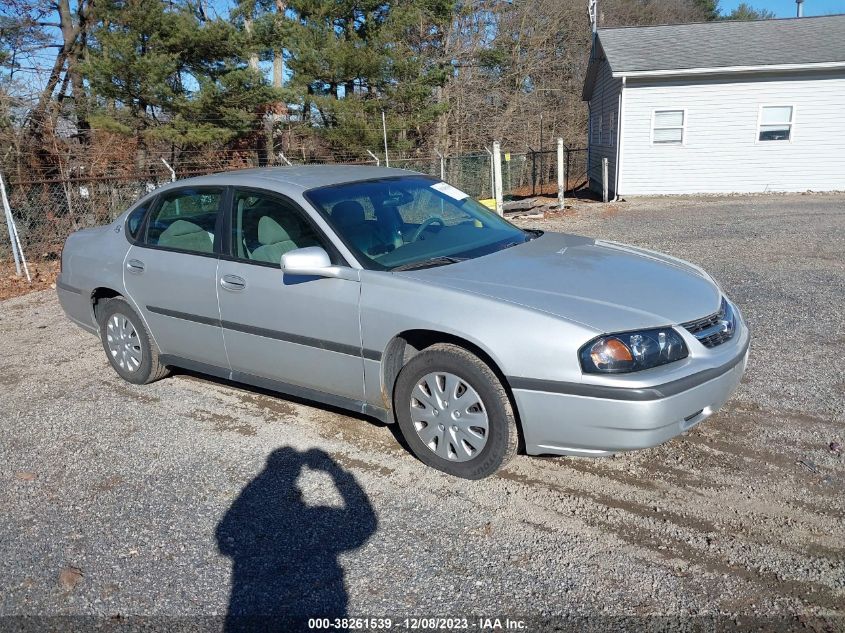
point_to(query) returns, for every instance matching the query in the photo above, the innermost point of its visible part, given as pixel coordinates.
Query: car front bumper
(572, 424)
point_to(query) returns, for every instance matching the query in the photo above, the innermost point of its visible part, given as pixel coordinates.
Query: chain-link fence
(534, 173)
(470, 173)
(47, 211)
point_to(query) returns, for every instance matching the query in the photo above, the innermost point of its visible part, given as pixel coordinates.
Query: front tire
(127, 343)
(454, 413)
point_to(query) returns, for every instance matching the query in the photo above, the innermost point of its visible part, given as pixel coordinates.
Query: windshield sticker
(449, 190)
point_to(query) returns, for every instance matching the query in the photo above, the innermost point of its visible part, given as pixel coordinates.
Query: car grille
(711, 330)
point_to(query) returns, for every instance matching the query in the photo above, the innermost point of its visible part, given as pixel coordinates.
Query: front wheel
(454, 412)
(127, 343)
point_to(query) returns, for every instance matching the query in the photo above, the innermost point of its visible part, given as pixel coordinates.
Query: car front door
(170, 273)
(298, 333)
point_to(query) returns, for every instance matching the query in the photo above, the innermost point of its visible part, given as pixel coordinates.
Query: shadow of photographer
(284, 553)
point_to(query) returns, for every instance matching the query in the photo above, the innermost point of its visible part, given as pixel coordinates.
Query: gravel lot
(121, 501)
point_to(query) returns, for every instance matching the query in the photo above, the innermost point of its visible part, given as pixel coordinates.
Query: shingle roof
(725, 44)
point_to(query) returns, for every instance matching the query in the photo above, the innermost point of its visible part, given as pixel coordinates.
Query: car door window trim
(151, 202)
(155, 205)
(228, 251)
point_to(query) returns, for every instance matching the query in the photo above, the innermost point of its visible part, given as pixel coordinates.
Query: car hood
(605, 286)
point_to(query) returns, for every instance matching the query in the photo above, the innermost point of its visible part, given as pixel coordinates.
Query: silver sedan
(398, 296)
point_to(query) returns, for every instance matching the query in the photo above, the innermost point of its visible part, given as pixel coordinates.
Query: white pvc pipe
(172, 172)
(20, 250)
(10, 225)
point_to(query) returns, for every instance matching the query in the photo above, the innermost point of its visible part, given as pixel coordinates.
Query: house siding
(721, 153)
(604, 103)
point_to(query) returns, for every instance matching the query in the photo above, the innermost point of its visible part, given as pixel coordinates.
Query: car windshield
(412, 222)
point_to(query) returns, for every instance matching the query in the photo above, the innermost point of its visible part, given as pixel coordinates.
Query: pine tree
(160, 72)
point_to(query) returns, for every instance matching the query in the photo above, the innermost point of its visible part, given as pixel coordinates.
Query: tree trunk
(253, 54)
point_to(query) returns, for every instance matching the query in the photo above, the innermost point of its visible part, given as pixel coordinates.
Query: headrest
(348, 213)
(182, 227)
(271, 232)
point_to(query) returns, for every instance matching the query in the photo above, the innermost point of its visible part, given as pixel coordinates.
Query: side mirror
(313, 261)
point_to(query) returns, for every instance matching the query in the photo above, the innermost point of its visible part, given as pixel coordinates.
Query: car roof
(296, 178)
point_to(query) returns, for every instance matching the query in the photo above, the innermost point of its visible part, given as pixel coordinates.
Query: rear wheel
(127, 343)
(454, 413)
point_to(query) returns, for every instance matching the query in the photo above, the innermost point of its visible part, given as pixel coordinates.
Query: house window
(668, 127)
(775, 123)
(595, 129)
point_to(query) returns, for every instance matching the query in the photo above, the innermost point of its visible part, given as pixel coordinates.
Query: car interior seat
(351, 222)
(187, 236)
(275, 240)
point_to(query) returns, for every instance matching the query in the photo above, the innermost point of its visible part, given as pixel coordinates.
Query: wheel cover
(449, 416)
(123, 343)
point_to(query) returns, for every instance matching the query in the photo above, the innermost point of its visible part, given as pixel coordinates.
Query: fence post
(492, 175)
(170, 169)
(561, 177)
(497, 176)
(14, 238)
(533, 171)
(442, 165)
(604, 179)
(376, 158)
(284, 158)
(8, 214)
(384, 131)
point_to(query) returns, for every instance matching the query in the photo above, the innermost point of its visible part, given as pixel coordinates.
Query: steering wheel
(422, 227)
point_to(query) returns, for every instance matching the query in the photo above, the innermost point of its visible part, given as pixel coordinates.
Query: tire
(127, 343)
(447, 435)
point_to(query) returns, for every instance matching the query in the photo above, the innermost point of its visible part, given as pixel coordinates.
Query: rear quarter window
(136, 220)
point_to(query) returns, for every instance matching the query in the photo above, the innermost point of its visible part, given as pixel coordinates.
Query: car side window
(265, 227)
(185, 220)
(135, 221)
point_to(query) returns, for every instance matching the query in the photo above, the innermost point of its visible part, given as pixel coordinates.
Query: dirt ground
(194, 497)
(43, 275)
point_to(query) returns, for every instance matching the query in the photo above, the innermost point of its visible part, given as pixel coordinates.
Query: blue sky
(786, 8)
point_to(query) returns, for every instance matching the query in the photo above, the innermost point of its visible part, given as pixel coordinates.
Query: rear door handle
(233, 283)
(135, 266)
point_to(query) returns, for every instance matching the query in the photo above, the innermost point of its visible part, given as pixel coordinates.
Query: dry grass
(43, 275)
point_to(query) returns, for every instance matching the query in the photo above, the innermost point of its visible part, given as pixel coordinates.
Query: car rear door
(299, 334)
(171, 275)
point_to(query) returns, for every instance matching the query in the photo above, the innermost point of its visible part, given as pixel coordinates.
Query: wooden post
(561, 173)
(497, 177)
(604, 179)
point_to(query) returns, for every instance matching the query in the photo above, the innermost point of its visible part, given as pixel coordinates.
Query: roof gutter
(680, 72)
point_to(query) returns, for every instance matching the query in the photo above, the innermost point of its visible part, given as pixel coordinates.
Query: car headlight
(632, 351)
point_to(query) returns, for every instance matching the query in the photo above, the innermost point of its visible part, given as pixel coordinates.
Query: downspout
(589, 142)
(619, 136)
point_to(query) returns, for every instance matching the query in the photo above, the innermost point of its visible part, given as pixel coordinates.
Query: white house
(718, 107)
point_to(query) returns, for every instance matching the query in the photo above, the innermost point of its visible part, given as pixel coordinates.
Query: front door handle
(233, 283)
(135, 266)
